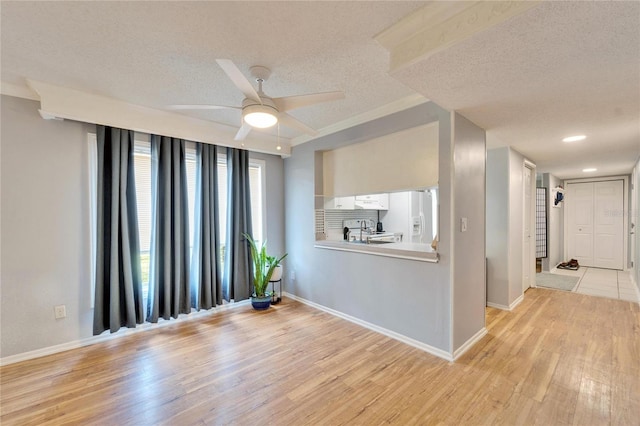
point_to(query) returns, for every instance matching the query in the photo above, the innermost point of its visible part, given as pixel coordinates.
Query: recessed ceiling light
(574, 138)
(589, 170)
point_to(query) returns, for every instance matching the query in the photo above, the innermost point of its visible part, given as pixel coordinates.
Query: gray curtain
(118, 292)
(206, 281)
(169, 293)
(238, 283)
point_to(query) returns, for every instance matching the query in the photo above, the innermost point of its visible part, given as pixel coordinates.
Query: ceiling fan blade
(287, 120)
(187, 107)
(243, 132)
(288, 103)
(238, 79)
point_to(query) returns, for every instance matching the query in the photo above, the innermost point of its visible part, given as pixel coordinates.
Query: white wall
(45, 227)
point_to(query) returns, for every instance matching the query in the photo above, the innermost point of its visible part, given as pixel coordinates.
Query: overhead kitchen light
(260, 116)
(574, 138)
(589, 170)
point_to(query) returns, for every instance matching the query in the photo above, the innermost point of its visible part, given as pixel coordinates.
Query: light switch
(463, 224)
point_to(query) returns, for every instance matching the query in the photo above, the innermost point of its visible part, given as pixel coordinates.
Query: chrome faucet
(362, 222)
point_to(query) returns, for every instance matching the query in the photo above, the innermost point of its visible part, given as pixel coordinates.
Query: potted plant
(263, 267)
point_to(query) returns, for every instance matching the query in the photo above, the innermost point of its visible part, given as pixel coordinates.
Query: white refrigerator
(422, 212)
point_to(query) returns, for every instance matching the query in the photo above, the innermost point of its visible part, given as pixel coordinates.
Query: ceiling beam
(440, 25)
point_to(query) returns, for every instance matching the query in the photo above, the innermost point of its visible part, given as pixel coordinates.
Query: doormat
(559, 282)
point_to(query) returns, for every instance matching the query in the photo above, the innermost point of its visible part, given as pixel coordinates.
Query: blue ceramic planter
(260, 303)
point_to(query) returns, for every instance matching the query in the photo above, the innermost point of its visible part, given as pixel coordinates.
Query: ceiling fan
(260, 110)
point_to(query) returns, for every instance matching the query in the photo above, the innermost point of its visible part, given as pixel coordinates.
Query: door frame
(531, 262)
(625, 212)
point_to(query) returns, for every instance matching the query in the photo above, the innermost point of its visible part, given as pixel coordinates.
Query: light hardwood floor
(558, 358)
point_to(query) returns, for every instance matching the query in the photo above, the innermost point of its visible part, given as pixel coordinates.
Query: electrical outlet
(293, 275)
(463, 224)
(60, 311)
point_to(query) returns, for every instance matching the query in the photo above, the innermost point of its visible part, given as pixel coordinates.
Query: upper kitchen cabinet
(340, 203)
(399, 161)
(358, 202)
(372, 202)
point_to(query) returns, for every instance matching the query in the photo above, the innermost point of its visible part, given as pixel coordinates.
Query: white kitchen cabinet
(372, 202)
(340, 203)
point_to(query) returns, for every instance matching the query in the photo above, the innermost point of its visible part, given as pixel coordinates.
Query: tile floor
(602, 282)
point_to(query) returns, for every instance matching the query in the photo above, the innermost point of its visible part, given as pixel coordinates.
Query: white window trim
(92, 158)
(263, 181)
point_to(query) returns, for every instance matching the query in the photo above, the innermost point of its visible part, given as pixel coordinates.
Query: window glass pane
(142, 165)
(255, 185)
(190, 154)
(222, 205)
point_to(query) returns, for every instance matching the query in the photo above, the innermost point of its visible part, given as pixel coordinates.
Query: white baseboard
(50, 350)
(505, 307)
(469, 343)
(635, 286)
(498, 306)
(516, 302)
(392, 334)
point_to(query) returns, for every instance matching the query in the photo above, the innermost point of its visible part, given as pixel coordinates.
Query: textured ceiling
(558, 69)
(161, 53)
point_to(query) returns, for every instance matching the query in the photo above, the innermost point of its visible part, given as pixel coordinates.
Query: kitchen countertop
(411, 251)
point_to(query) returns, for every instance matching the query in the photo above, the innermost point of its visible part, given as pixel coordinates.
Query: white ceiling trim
(388, 109)
(17, 91)
(76, 105)
(440, 25)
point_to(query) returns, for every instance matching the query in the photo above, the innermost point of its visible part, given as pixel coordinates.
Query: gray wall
(516, 223)
(45, 227)
(469, 286)
(555, 225)
(497, 221)
(636, 231)
(504, 225)
(409, 297)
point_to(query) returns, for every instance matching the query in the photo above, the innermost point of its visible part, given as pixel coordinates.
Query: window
(142, 165)
(257, 188)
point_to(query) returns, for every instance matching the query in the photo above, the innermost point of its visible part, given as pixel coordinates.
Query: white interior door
(596, 223)
(527, 259)
(580, 221)
(609, 225)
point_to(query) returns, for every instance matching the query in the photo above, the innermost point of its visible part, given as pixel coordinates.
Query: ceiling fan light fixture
(260, 116)
(574, 138)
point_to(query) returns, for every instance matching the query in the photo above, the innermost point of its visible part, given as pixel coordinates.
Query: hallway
(602, 282)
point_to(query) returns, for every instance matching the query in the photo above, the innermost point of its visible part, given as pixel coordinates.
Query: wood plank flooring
(558, 358)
